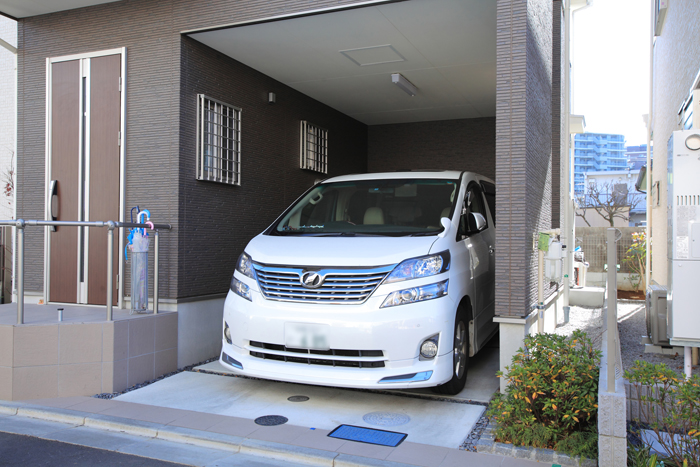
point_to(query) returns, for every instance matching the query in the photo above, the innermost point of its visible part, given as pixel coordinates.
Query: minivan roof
(441, 174)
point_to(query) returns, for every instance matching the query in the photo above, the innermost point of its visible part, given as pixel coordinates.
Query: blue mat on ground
(368, 435)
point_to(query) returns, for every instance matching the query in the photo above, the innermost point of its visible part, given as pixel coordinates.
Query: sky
(610, 60)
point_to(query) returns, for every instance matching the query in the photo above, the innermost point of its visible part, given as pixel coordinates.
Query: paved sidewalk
(288, 443)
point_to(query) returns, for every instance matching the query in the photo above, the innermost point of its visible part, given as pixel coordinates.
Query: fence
(592, 242)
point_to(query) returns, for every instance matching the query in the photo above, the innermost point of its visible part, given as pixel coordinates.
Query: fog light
(227, 333)
(429, 348)
(231, 361)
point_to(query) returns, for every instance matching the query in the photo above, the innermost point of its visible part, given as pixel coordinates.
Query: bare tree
(611, 200)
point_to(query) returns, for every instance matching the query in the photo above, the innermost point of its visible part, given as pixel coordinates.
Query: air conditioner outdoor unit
(656, 315)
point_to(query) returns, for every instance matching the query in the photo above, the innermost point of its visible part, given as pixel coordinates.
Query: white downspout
(649, 132)
(565, 197)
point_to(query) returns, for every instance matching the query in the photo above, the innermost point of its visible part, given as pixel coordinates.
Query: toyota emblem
(311, 280)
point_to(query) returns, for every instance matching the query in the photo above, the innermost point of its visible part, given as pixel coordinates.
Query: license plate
(306, 336)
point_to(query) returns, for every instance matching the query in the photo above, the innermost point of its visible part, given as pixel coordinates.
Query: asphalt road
(21, 450)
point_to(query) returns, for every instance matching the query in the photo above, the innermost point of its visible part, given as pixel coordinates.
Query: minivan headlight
(423, 266)
(416, 294)
(239, 288)
(245, 265)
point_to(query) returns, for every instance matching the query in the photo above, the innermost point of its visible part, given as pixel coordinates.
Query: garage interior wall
(218, 220)
(465, 144)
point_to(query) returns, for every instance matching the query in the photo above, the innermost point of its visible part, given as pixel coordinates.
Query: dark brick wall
(152, 101)
(558, 127)
(467, 144)
(158, 154)
(523, 147)
(216, 220)
(539, 136)
(151, 32)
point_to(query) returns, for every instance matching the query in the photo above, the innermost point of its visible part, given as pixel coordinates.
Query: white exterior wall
(676, 64)
(8, 111)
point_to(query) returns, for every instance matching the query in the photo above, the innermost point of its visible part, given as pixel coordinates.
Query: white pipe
(540, 292)
(649, 120)
(565, 204)
(687, 360)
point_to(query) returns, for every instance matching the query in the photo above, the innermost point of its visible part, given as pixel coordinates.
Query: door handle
(492, 250)
(53, 191)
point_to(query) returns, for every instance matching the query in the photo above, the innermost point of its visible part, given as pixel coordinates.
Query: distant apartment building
(637, 156)
(597, 152)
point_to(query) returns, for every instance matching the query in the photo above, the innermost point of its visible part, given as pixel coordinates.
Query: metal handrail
(20, 224)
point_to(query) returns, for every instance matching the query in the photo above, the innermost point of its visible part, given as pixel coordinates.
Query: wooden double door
(83, 184)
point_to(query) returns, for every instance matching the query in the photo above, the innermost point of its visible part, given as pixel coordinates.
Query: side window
(473, 202)
(490, 195)
(476, 202)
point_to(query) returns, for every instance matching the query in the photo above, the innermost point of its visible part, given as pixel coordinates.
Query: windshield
(371, 207)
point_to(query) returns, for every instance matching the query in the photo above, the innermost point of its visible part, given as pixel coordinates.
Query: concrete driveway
(426, 417)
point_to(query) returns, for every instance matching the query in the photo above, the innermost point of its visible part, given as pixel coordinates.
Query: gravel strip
(111, 395)
(632, 327)
(631, 324)
(469, 444)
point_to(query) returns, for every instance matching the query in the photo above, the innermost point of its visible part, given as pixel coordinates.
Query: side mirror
(477, 222)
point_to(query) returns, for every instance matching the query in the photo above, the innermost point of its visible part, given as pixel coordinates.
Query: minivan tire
(460, 355)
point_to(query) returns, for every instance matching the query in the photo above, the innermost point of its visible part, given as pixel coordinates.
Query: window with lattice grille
(218, 141)
(314, 148)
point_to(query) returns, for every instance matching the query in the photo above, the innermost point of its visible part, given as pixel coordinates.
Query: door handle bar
(53, 191)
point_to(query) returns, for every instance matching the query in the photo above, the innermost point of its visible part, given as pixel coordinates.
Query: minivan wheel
(460, 356)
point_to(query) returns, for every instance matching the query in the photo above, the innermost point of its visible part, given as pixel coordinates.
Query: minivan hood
(336, 251)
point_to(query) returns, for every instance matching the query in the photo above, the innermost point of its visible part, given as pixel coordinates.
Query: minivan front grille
(332, 357)
(337, 285)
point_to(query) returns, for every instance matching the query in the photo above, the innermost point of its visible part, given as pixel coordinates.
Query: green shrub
(552, 394)
(669, 404)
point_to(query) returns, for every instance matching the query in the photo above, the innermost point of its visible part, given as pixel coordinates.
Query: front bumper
(397, 332)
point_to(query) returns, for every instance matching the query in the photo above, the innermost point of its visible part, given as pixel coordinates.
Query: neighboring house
(597, 152)
(199, 107)
(620, 185)
(676, 91)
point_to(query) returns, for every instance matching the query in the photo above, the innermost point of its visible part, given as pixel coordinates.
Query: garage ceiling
(446, 48)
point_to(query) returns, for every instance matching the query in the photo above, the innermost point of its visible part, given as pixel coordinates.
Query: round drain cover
(386, 418)
(298, 399)
(271, 420)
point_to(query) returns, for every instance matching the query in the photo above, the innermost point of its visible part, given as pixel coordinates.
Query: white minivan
(382, 280)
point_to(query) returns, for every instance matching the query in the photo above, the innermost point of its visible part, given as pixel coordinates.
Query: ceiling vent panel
(375, 55)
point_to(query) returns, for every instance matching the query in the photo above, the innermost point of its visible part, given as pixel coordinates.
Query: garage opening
(404, 85)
